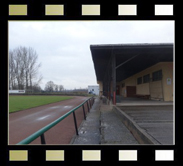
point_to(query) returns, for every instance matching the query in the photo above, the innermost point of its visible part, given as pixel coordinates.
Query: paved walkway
(103, 126)
(113, 131)
(89, 130)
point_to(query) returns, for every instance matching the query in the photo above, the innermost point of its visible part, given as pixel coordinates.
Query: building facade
(135, 70)
(155, 82)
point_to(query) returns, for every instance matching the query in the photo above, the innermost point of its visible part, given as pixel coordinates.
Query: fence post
(88, 106)
(75, 123)
(42, 139)
(90, 103)
(84, 112)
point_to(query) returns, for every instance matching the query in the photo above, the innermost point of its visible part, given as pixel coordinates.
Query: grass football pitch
(17, 103)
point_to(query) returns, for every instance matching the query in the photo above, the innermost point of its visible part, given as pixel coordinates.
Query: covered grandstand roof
(130, 58)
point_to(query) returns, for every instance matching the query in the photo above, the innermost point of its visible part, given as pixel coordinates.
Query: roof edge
(130, 45)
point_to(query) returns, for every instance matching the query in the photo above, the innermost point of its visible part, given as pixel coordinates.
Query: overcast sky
(63, 47)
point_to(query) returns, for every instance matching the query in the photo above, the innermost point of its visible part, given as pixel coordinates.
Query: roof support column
(114, 77)
(108, 80)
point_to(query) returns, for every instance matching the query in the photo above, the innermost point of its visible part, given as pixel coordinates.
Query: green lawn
(17, 103)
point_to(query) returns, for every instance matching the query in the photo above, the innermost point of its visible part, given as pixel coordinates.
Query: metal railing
(40, 133)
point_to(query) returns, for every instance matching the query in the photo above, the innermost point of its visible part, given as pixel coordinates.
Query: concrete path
(102, 126)
(113, 131)
(89, 130)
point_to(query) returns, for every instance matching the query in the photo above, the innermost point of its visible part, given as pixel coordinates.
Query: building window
(146, 78)
(139, 80)
(157, 75)
(123, 85)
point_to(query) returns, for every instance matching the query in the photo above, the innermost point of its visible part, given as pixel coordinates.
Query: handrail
(40, 132)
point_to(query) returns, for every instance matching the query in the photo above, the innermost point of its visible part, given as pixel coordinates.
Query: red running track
(24, 123)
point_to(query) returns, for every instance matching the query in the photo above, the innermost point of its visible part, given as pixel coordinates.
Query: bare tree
(36, 88)
(11, 70)
(23, 68)
(33, 66)
(61, 87)
(56, 87)
(49, 86)
(19, 68)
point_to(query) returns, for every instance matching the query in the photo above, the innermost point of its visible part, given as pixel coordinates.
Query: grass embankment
(17, 103)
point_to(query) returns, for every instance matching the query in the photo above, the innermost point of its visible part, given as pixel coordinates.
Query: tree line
(51, 87)
(24, 69)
